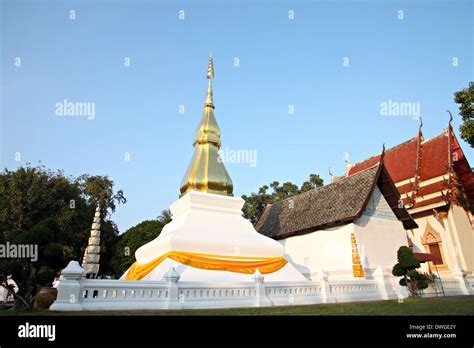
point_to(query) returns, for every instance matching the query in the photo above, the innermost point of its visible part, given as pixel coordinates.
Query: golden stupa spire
(206, 172)
(210, 75)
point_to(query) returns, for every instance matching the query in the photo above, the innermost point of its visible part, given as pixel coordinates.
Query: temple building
(346, 229)
(419, 193)
(436, 184)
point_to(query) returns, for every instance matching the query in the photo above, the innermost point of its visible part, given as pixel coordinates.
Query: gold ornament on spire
(206, 172)
(210, 75)
(210, 68)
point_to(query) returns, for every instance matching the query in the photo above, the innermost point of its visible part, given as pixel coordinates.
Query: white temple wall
(379, 234)
(458, 221)
(378, 241)
(328, 250)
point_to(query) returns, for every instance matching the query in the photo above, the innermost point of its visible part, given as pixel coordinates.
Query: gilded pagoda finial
(210, 68)
(210, 75)
(206, 172)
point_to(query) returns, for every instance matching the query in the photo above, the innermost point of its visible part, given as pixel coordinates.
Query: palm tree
(165, 216)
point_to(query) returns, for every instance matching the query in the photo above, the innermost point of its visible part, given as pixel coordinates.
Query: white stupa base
(207, 223)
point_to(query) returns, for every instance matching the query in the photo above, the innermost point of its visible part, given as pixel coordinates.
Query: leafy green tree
(314, 181)
(100, 190)
(256, 202)
(131, 240)
(40, 270)
(406, 268)
(54, 211)
(109, 237)
(465, 99)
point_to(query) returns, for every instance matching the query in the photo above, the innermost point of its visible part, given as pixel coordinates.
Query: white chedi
(207, 223)
(208, 239)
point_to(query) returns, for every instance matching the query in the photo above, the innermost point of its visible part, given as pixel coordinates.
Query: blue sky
(283, 62)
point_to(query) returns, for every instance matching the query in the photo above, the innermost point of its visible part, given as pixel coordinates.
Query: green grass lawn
(455, 305)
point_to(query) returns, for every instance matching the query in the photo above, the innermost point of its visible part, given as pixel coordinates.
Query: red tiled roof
(400, 162)
(434, 160)
(463, 169)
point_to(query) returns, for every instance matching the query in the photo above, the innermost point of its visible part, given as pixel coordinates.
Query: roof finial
(210, 75)
(210, 68)
(420, 133)
(450, 117)
(450, 145)
(382, 156)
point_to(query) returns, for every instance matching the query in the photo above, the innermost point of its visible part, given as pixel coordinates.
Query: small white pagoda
(90, 261)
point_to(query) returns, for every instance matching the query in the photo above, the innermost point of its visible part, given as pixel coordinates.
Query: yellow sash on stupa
(236, 264)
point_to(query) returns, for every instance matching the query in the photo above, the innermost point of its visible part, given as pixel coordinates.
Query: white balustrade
(78, 293)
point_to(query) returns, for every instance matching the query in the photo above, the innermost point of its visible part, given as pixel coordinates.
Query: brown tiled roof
(335, 204)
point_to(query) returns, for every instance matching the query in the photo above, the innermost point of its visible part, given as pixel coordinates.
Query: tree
(406, 268)
(131, 240)
(100, 190)
(465, 99)
(54, 212)
(38, 269)
(165, 216)
(256, 202)
(315, 181)
(109, 237)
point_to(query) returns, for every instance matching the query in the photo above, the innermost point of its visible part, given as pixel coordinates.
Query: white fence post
(327, 296)
(260, 292)
(69, 289)
(470, 285)
(174, 300)
(460, 276)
